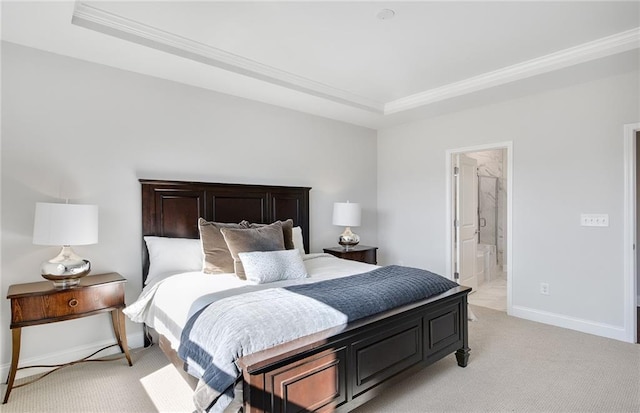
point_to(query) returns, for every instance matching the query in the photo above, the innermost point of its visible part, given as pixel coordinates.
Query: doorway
(490, 257)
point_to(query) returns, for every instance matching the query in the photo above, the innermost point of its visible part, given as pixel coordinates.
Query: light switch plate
(594, 220)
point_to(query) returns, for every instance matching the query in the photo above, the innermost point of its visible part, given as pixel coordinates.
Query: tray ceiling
(337, 59)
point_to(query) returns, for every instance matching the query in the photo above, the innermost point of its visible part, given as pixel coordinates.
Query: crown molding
(606, 46)
(93, 18)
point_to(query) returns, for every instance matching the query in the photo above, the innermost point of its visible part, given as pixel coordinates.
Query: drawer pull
(73, 302)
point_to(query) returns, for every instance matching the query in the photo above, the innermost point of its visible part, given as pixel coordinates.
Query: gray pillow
(217, 258)
(287, 231)
(265, 238)
(269, 266)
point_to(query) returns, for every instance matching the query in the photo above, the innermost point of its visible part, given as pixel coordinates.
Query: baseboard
(573, 323)
(135, 340)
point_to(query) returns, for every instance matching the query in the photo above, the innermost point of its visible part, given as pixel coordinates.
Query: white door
(465, 219)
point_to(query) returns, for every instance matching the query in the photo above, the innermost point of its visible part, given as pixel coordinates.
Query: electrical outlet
(544, 288)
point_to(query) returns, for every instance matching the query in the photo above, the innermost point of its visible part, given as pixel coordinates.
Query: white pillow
(298, 241)
(263, 267)
(172, 256)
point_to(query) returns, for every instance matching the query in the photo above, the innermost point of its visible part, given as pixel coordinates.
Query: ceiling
(337, 59)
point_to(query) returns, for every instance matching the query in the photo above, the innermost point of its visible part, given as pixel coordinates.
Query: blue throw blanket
(216, 336)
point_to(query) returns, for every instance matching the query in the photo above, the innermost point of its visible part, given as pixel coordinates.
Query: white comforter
(167, 304)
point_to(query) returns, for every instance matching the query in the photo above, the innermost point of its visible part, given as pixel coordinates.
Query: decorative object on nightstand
(348, 215)
(360, 253)
(40, 303)
(65, 225)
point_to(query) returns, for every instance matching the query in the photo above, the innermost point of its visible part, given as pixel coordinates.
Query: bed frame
(333, 370)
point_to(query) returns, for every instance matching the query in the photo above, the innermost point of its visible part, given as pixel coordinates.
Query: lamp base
(64, 282)
(66, 269)
(348, 239)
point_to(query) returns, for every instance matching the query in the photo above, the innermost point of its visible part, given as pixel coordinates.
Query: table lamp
(348, 215)
(65, 225)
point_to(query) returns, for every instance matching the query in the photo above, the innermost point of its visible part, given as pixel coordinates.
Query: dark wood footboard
(341, 368)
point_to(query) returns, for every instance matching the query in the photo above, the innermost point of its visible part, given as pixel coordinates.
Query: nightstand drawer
(66, 304)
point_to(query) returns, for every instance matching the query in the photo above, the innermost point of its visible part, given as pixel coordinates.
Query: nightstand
(40, 303)
(360, 253)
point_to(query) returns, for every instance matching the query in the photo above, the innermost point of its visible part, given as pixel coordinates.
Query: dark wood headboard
(172, 208)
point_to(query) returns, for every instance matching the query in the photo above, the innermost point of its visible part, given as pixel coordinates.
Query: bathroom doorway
(491, 260)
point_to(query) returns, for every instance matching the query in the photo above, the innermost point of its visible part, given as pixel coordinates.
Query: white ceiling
(336, 59)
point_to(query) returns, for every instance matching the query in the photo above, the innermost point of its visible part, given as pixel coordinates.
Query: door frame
(630, 210)
(449, 247)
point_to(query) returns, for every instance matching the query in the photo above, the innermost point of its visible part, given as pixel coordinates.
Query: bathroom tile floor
(491, 294)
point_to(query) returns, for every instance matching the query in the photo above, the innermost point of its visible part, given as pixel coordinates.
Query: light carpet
(515, 366)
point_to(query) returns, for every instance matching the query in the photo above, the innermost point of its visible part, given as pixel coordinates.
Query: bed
(334, 369)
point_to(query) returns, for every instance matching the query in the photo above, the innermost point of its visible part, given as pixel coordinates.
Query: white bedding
(167, 304)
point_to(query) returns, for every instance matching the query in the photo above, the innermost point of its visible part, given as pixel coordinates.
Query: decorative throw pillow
(298, 241)
(287, 231)
(265, 238)
(217, 258)
(172, 256)
(265, 267)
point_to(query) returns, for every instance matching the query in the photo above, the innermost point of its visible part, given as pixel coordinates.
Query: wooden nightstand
(360, 253)
(40, 303)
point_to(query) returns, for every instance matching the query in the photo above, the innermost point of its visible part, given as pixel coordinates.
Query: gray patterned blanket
(226, 330)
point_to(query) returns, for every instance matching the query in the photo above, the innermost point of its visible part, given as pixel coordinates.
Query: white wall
(567, 160)
(88, 132)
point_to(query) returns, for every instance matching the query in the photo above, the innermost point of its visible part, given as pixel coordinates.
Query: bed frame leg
(148, 339)
(462, 355)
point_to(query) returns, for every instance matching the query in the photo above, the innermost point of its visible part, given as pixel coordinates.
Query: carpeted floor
(515, 366)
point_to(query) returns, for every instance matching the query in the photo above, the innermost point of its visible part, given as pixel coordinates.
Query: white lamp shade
(346, 214)
(65, 224)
